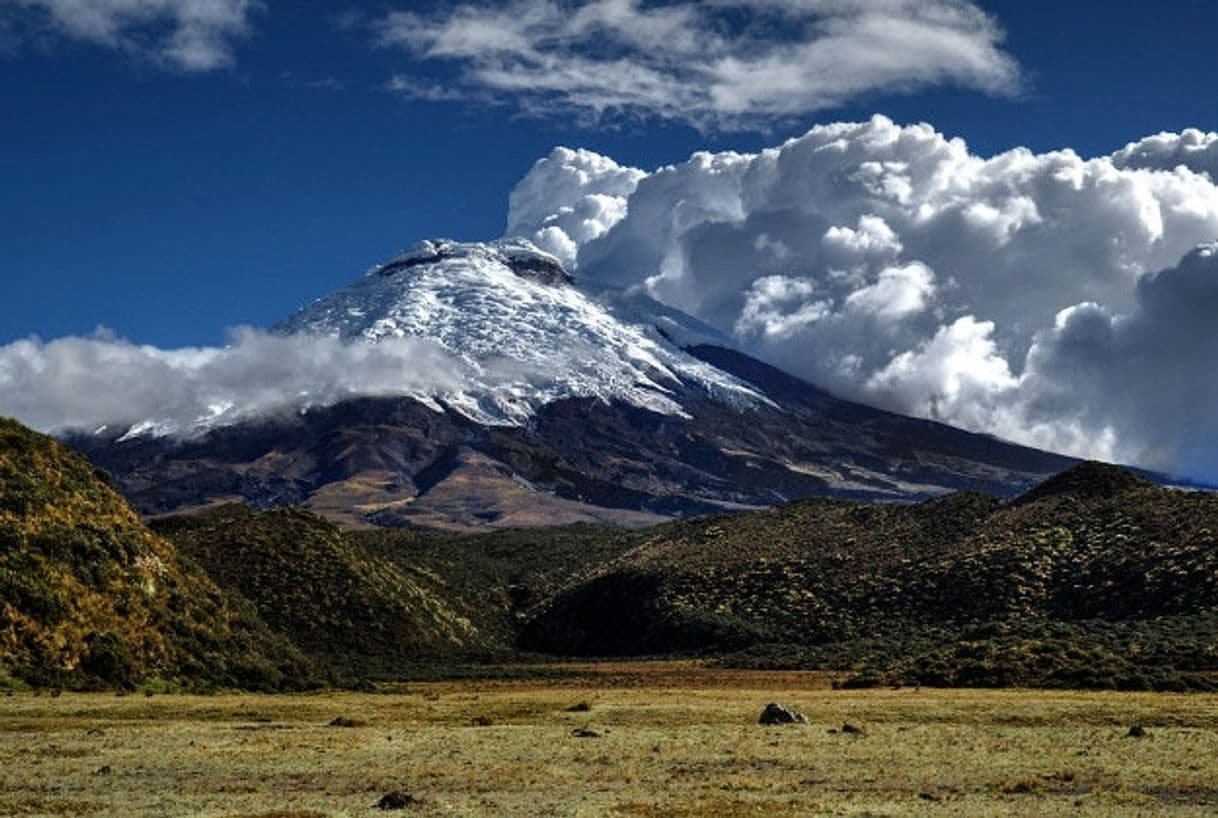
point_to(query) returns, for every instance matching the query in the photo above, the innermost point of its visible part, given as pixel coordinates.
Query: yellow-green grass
(673, 740)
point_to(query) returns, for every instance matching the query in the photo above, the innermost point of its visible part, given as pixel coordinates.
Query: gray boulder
(775, 713)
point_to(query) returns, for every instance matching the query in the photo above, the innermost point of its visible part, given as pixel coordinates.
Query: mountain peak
(520, 256)
(513, 334)
(1088, 480)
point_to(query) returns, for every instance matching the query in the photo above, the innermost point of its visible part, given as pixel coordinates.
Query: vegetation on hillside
(355, 612)
(388, 604)
(1095, 578)
(90, 597)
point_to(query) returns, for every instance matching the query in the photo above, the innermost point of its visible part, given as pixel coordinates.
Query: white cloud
(82, 383)
(898, 292)
(956, 375)
(409, 87)
(1146, 376)
(1191, 148)
(778, 306)
(569, 198)
(189, 35)
(921, 277)
(873, 238)
(723, 63)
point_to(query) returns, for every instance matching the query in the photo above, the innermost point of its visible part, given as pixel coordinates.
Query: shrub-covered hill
(390, 602)
(504, 577)
(90, 597)
(352, 610)
(1094, 578)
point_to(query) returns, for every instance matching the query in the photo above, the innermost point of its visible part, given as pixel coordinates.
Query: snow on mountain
(508, 314)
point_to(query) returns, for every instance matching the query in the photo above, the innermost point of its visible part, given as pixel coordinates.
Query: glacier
(523, 333)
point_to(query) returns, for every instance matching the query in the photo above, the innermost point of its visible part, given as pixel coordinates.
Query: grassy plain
(671, 739)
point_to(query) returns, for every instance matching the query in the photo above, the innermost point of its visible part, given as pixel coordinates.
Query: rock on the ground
(775, 713)
(396, 800)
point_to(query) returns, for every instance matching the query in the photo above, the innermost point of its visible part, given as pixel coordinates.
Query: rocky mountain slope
(558, 407)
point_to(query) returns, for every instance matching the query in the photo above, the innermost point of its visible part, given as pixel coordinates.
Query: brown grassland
(672, 739)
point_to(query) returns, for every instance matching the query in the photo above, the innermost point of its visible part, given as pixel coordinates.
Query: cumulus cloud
(1145, 378)
(898, 292)
(894, 266)
(188, 35)
(724, 63)
(87, 382)
(1191, 148)
(569, 198)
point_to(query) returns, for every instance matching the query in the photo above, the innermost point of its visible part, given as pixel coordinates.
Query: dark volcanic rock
(775, 713)
(397, 800)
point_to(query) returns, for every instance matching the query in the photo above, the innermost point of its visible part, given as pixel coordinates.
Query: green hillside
(1094, 578)
(351, 610)
(389, 603)
(89, 597)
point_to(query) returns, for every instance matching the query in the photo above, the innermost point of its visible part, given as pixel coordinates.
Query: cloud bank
(1047, 298)
(713, 63)
(86, 382)
(187, 35)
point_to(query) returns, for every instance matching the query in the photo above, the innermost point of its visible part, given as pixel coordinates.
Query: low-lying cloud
(1047, 298)
(723, 64)
(83, 383)
(187, 35)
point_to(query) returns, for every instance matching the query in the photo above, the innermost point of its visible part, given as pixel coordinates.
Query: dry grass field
(667, 739)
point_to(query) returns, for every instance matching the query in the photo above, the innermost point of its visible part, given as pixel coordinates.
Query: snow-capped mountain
(521, 333)
(557, 404)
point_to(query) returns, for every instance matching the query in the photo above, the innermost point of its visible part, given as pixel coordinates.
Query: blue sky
(170, 204)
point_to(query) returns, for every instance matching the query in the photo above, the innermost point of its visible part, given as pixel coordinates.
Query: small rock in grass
(852, 729)
(579, 707)
(344, 721)
(1137, 731)
(584, 732)
(775, 713)
(397, 800)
